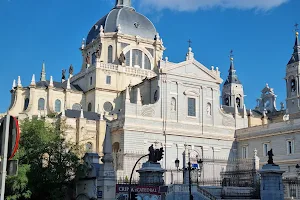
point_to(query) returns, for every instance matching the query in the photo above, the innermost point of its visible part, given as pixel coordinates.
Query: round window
(108, 107)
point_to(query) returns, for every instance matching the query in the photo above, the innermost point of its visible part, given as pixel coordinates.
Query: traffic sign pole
(4, 158)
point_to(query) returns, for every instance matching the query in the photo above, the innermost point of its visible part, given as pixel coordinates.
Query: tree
(47, 163)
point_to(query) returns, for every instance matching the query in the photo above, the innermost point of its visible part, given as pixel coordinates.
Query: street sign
(14, 135)
(99, 194)
(196, 166)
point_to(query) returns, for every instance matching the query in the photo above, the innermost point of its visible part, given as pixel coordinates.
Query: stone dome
(130, 21)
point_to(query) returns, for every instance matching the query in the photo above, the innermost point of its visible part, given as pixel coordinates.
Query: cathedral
(146, 99)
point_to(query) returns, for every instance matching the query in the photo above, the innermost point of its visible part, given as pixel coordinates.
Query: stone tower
(292, 79)
(233, 92)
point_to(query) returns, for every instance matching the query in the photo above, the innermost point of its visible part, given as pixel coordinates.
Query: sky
(260, 32)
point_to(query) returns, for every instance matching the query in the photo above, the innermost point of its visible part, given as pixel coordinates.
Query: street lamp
(189, 168)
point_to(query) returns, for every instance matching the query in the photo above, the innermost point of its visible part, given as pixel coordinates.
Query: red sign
(14, 135)
(138, 189)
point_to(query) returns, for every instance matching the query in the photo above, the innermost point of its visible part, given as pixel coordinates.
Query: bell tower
(292, 78)
(233, 92)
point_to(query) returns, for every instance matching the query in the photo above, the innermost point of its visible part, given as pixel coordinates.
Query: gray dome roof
(131, 22)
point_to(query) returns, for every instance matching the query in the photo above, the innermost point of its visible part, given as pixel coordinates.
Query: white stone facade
(150, 100)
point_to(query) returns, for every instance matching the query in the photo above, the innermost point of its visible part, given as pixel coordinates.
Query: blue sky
(259, 31)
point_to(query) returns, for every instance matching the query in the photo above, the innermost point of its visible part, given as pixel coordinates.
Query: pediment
(193, 69)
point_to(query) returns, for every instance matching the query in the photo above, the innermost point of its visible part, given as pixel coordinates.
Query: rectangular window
(192, 107)
(108, 80)
(91, 80)
(290, 147)
(245, 152)
(266, 149)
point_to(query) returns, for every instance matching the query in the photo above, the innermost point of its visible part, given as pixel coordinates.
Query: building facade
(147, 99)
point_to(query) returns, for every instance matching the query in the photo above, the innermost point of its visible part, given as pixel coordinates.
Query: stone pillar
(271, 187)
(107, 177)
(87, 185)
(151, 174)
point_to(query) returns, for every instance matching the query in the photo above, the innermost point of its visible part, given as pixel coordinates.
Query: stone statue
(87, 59)
(173, 104)
(151, 153)
(71, 70)
(63, 74)
(122, 58)
(208, 109)
(270, 154)
(155, 155)
(98, 52)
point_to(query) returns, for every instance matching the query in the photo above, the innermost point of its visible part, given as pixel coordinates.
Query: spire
(107, 147)
(51, 81)
(43, 73)
(14, 84)
(68, 84)
(33, 80)
(19, 84)
(123, 3)
(232, 77)
(296, 54)
(81, 113)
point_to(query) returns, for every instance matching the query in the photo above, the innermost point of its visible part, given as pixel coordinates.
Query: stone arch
(144, 50)
(110, 54)
(41, 104)
(26, 103)
(57, 105)
(238, 102)
(89, 109)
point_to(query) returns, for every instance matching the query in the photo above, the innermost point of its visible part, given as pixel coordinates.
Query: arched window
(57, 105)
(89, 107)
(93, 58)
(26, 103)
(76, 106)
(238, 102)
(147, 63)
(41, 104)
(137, 58)
(110, 54)
(293, 85)
(89, 147)
(127, 58)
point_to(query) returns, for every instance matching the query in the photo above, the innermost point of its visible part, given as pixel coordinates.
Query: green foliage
(52, 115)
(47, 163)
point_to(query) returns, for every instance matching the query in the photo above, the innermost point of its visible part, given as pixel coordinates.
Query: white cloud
(193, 5)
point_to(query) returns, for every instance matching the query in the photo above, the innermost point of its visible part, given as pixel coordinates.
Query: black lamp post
(200, 163)
(298, 169)
(189, 168)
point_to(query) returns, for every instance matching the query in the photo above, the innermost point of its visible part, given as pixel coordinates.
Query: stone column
(271, 187)
(107, 177)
